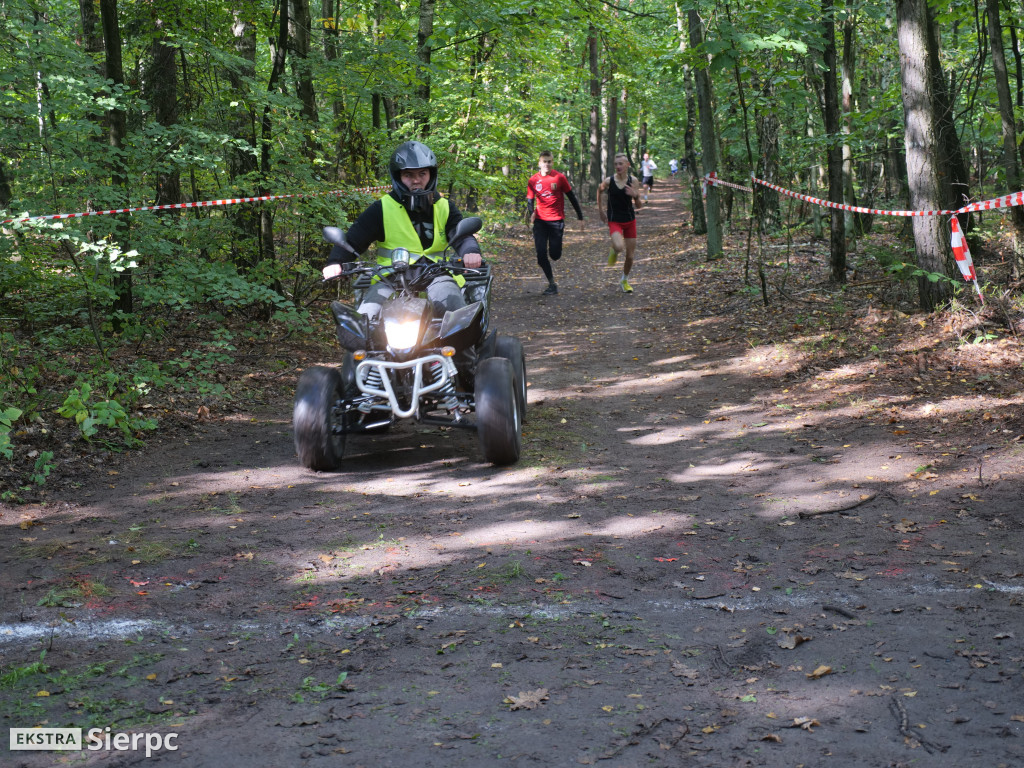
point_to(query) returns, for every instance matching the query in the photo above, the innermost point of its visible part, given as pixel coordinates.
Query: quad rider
(413, 216)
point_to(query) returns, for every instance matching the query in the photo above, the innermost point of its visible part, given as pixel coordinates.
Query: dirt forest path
(715, 551)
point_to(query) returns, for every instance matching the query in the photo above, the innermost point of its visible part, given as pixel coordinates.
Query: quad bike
(451, 371)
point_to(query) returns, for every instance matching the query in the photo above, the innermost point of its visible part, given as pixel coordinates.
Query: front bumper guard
(369, 372)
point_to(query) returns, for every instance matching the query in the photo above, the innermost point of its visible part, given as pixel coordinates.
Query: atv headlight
(400, 259)
(402, 334)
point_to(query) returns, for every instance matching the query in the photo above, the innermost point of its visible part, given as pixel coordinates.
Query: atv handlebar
(424, 267)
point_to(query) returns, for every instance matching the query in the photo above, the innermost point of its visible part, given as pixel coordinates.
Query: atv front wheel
(319, 439)
(498, 417)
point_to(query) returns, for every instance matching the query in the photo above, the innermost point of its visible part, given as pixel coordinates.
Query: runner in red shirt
(545, 200)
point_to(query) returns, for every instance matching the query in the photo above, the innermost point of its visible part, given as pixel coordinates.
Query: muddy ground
(738, 536)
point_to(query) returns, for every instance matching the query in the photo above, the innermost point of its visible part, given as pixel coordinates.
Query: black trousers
(547, 237)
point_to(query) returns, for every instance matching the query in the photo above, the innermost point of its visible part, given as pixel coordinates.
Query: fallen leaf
(789, 642)
(528, 699)
(807, 723)
(681, 670)
(821, 671)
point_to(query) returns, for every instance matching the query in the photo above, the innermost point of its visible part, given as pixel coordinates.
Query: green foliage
(90, 415)
(42, 467)
(903, 271)
(7, 418)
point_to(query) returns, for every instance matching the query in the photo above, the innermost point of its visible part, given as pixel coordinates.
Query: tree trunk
(708, 138)
(117, 129)
(570, 161)
(812, 185)
(1018, 67)
(623, 142)
(92, 37)
(921, 139)
(700, 224)
(954, 175)
(299, 33)
(278, 57)
(611, 133)
(846, 97)
(424, 50)
(5, 189)
(837, 230)
(595, 115)
(1010, 165)
(161, 89)
(766, 201)
(242, 165)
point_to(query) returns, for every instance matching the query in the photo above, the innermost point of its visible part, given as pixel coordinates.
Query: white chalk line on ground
(89, 629)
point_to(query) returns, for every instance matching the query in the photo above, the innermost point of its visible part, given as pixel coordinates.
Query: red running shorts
(627, 228)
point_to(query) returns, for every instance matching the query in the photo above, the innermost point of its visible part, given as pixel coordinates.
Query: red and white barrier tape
(843, 206)
(961, 252)
(203, 204)
(713, 178)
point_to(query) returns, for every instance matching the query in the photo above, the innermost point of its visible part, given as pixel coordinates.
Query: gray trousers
(442, 292)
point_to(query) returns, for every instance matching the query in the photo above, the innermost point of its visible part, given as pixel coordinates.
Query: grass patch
(46, 551)
(93, 696)
(73, 595)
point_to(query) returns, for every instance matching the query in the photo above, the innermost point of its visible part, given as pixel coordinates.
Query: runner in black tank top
(620, 216)
(620, 204)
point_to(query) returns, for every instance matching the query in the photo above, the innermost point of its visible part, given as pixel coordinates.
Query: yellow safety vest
(400, 233)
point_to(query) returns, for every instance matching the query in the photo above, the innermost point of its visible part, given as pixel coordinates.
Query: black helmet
(413, 154)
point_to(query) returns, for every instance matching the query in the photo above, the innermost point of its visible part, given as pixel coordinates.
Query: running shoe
(626, 287)
(612, 257)
(551, 290)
